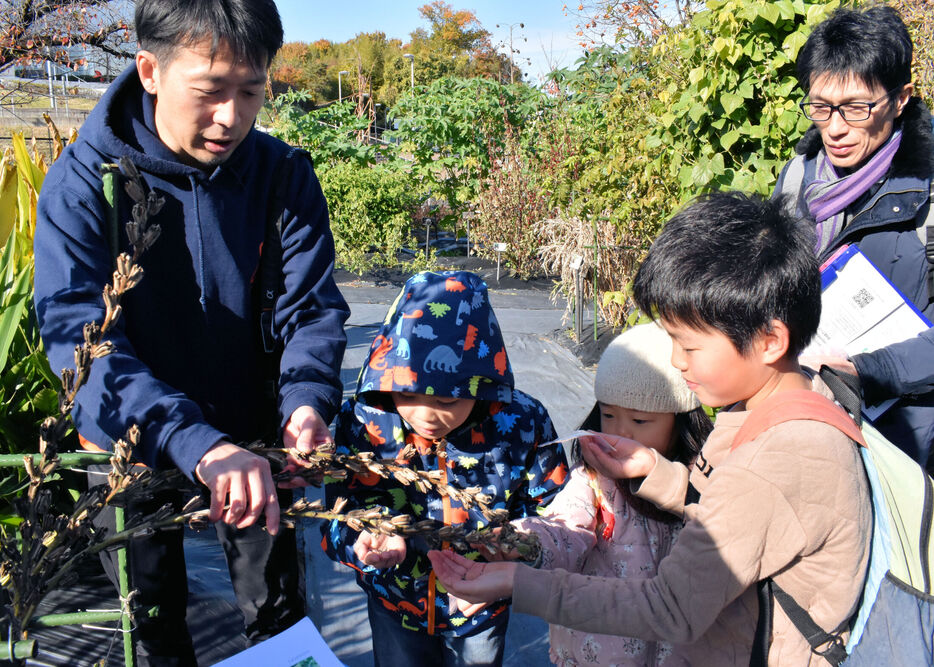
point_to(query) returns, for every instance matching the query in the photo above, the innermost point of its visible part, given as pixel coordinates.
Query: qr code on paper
(862, 298)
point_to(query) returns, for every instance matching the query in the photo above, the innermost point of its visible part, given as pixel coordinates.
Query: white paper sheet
(299, 646)
(861, 312)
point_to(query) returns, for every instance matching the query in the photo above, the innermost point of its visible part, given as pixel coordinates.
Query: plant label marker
(499, 248)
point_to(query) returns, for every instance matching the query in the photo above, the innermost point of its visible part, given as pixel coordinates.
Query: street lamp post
(512, 51)
(411, 59)
(340, 96)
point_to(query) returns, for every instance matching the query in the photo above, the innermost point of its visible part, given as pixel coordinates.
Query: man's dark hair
(252, 29)
(873, 46)
(734, 263)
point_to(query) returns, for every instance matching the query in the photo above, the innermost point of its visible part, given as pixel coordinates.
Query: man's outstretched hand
(305, 432)
(241, 486)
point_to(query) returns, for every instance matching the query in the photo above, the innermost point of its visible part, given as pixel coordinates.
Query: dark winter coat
(882, 223)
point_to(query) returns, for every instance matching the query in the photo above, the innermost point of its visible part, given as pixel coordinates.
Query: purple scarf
(828, 195)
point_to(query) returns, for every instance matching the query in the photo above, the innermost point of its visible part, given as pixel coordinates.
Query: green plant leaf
(786, 8)
(12, 312)
(793, 43)
(731, 102)
(696, 112)
(729, 138)
(702, 173)
(768, 11)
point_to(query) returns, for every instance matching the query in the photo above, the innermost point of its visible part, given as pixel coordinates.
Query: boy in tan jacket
(734, 281)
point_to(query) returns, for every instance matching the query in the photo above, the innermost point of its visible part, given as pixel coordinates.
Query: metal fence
(43, 143)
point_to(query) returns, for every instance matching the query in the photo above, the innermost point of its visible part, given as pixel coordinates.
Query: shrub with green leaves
(371, 211)
(450, 126)
(329, 134)
(732, 119)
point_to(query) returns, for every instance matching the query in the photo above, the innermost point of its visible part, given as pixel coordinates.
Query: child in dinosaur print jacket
(437, 393)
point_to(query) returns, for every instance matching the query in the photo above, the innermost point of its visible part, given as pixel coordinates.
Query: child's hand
(499, 554)
(468, 609)
(380, 551)
(616, 457)
(475, 582)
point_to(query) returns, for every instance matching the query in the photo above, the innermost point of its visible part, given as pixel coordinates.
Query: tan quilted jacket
(792, 504)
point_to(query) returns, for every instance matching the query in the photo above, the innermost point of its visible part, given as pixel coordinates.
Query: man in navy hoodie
(186, 366)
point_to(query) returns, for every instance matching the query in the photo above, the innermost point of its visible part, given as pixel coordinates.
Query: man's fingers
(242, 481)
(305, 441)
(218, 498)
(237, 503)
(306, 430)
(272, 512)
(260, 491)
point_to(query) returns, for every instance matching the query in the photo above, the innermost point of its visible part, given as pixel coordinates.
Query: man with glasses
(863, 175)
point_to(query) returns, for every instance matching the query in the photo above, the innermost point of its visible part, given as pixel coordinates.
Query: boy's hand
(616, 457)
(380, 551)
(474, 582)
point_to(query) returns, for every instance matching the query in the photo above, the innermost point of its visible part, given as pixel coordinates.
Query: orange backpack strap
(88, 445)
(794, 405)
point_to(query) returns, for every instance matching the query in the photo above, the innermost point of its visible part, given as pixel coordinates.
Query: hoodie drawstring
(194, 192)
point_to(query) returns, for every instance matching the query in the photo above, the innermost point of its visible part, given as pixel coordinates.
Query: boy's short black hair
(873, 46)
(251, 28)
(734, 263)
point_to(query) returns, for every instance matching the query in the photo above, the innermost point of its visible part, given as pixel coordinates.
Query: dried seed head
(194, 503)
(102, 349)
(154, 203)
(128, 169)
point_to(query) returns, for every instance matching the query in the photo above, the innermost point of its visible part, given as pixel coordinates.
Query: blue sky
(549, 33)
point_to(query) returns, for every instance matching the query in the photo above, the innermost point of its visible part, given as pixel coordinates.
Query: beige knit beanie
(635, 372)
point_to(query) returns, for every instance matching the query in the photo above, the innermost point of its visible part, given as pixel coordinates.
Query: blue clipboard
(835, 263)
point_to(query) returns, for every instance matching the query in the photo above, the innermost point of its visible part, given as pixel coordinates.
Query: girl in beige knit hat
(595, 526)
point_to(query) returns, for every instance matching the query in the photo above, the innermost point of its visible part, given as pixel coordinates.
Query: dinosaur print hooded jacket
(441, 337)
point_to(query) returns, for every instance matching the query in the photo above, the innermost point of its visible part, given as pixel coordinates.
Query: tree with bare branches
(629, 22)
(38, 30)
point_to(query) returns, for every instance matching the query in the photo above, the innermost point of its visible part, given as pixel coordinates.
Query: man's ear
(902, 99)
(773, 343)
(147, 66)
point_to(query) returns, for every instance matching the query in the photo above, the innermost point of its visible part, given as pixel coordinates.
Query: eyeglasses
(850, 111)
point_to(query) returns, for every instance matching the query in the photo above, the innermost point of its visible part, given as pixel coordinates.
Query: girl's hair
(691, 431)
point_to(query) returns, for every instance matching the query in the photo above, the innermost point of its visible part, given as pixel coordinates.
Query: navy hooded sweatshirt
(186, 367)
(441, 337)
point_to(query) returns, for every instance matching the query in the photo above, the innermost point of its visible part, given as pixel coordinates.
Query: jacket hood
(440, 337)
(123, 124)
(915, 156)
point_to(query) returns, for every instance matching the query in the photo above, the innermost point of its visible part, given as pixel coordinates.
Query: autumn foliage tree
(453, 43)
(37, 30)
(628, 22)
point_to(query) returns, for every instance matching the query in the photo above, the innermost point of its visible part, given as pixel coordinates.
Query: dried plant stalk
(498, 537)
(326, 462)
(600, 247)
(49, 545)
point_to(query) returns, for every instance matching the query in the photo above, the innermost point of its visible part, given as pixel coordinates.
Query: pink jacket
(590, 528)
